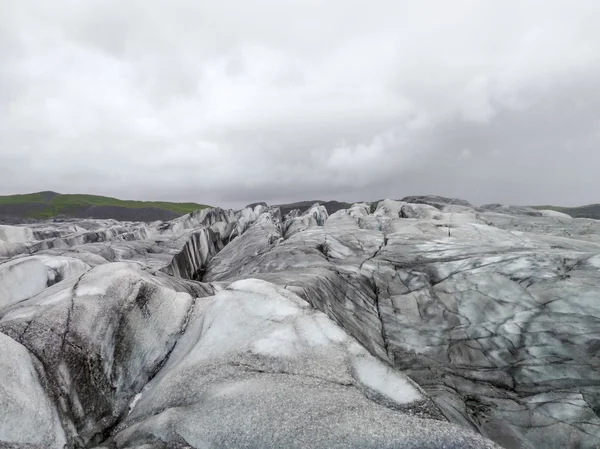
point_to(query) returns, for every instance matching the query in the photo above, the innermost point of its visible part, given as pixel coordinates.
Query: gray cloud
(231, 102)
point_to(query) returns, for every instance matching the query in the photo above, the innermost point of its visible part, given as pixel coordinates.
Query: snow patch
(381, 378)
(15, 234)
(279, 343)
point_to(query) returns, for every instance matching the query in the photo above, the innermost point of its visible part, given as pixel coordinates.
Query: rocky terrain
(424, 323)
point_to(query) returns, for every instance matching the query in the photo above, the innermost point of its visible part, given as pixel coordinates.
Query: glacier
(422, 323)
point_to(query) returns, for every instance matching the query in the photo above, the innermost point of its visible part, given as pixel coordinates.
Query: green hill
(44, 205)
(589, 211)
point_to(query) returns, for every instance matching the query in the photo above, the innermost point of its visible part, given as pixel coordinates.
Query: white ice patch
(27, 415)
(318, 330)
(282, 342)
(381, 378)
(389, 208)
(266, 300)
(135, 401)
(594, 261)
(22, 313)
(337, 250)
(92, 289)
(554, 214)
(15, 234)
(21, 279)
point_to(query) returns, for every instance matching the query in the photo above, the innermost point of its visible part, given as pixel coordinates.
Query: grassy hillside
(50, 204)
(589, 211)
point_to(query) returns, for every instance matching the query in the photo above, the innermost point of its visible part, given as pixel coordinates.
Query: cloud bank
(231, 102)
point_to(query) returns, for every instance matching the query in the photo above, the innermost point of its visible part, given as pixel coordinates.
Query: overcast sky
(229, 102)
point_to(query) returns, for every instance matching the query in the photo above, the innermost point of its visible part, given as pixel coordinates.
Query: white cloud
(221, 101)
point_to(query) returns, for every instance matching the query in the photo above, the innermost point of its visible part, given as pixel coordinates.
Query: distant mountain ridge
(303, 206)
(588, 211)
(47, 205)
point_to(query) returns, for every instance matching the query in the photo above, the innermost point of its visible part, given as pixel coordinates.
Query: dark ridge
(14, 211)
(303, 206)
(21, 213)
(48, 195)
(435, 200)
(588, 211)
(511, 210)
(260, 203)
(126, 214)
